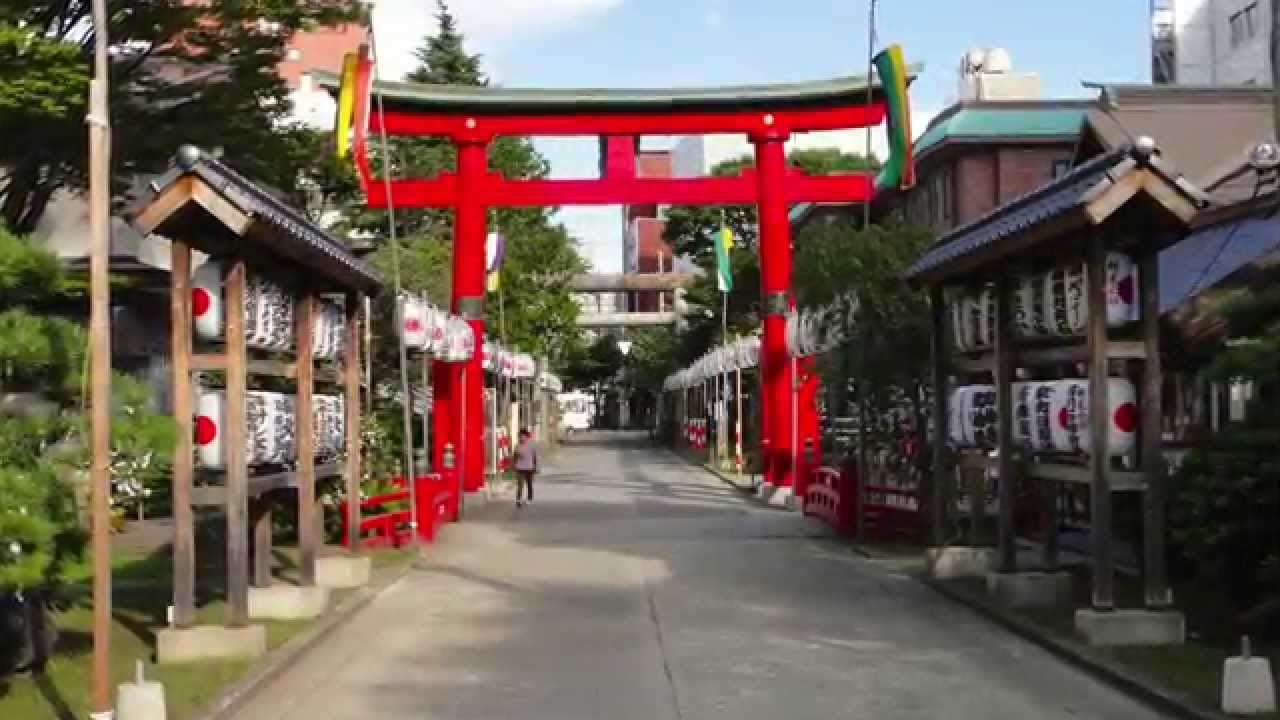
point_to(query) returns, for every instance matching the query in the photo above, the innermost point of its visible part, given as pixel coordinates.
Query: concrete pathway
(638, 587)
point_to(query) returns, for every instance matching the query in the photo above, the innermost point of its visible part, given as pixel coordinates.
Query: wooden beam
(169, 201)
(184, 544)
(308, 542)
(1156, 584)
(229, 215)
(1169, 197)
(1100, 457)
(262, 541)
(937, 504)
(266, 367)
(1117, 480)
(216, 495)
(1114, 197)
(351, 371)
(1075, 351)
(963, 269)
(1007, 536)
(237, 612)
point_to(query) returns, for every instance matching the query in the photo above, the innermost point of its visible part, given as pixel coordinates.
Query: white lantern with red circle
(1070, 416)
(413, 322)
(206, 301)
(208, 429)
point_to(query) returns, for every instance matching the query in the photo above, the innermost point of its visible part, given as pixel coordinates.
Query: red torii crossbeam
(471, 117)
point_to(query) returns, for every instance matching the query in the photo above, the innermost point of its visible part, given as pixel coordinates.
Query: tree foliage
(181, 72)
(1223, 512)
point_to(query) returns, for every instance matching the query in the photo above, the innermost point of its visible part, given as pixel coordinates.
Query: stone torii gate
(471, 117)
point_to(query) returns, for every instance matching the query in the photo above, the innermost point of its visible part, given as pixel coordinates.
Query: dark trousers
(524, 481)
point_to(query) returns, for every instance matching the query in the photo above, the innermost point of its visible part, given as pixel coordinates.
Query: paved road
(638, 587)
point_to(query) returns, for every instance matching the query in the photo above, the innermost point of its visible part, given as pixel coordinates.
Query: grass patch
(139, 609)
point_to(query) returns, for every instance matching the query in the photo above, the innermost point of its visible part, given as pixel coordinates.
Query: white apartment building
(1210, 42)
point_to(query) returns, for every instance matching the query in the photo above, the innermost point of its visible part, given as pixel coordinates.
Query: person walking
(526, 467)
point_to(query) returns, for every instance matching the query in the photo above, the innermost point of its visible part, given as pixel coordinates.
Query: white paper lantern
(208, 429)
(973, 416)
(1028, 306)
(413, 322)
(1070, 416)
(1122, 290)
(206, 301)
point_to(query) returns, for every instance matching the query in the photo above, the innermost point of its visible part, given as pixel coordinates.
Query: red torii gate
(471, 117)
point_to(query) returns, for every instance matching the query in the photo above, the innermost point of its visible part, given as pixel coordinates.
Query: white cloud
(489, 25)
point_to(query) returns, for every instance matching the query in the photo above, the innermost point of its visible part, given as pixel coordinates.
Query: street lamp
(624, 346)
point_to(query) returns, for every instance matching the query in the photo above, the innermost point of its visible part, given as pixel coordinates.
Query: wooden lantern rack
(1128, 201)
(201, 204)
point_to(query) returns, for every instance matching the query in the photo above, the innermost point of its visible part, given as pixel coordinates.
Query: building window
(1061, 167)
(1243, 24)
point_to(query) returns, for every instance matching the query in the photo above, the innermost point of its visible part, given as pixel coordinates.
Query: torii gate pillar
(459, 387)
(775, 288)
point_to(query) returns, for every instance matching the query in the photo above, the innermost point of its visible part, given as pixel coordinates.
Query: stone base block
(1030, 589)
(287, 602)
(140, 701)
(765, 490)
(342, 571)
(959, 561)
(782, 497)
(210, 642)
(1248, 687)
(1131, 627)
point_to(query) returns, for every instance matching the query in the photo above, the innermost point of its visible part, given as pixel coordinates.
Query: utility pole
(99, 122)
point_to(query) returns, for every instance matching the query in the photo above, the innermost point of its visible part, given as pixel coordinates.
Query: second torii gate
(471, 117)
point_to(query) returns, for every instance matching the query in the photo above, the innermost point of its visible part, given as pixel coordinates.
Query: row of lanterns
(270, 427)
(428, 329)
(268, 314)
(507, 363)
(1055, 303)
(1049, 416)
(741, 354)
(817, 331)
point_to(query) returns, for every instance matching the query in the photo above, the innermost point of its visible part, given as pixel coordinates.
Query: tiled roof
(1050, 201)
(1017, 121)
(1210, 254)
(1045, 203)
(469, 98)
(322, 252)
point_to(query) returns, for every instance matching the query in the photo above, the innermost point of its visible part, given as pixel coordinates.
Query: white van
(575, 411)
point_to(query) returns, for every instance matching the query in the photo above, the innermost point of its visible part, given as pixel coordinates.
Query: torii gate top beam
(476, 115)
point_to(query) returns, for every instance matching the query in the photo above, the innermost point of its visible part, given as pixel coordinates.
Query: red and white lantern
(413, 322)
(208, 429)
(206, 300)
(1070, 416)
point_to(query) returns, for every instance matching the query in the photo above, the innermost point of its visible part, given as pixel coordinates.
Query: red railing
(437, 504)
(822, 497)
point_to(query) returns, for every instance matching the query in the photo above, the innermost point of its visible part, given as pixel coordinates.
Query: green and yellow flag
(724, 271)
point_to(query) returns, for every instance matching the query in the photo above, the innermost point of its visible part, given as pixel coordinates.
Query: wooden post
(236, 478)
(184, 545)
(975, 477)
(1051, 497)
(1008, 539)
(351, 376)
(262, 541)
(1156, 585)
(937, 493)
(1099, 462)
(308, 541)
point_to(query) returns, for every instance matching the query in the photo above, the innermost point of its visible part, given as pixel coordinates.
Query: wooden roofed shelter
(203, 205)
(1126, 203)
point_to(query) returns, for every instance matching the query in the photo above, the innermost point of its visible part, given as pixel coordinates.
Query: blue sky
(620, 43)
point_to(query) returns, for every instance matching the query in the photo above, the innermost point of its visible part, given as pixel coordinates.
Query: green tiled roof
(985, 122)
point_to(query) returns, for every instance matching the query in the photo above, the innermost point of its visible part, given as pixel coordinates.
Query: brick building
(643, 249)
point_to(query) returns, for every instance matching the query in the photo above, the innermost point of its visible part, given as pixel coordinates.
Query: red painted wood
(496, 191)
(470, 228)
(619, 157)
(657, 123)
(775, 277)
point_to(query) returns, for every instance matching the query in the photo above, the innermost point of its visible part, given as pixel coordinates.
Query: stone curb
(282, 658)
(1109, 671)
